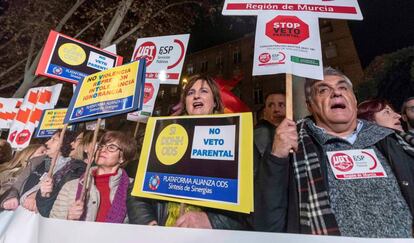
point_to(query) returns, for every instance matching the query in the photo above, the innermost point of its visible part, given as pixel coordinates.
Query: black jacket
(143, 211)
(277, 206)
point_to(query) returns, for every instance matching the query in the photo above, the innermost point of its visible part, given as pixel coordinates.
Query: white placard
(334, 9)
(355, 164)
(8, 111)
(164, 57)
(214, 142)
(99, 62)
(27, 119)
(150, 95)
(288, 44)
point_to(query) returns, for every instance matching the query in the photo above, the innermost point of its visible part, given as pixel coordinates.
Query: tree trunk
(115, 23)
(29, 74)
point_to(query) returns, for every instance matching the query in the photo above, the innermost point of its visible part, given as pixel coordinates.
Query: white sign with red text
(355, 164)
(164, 57)
(8, 110)
(287, 44)
(333, 9)
(150, 95)
(27, 119)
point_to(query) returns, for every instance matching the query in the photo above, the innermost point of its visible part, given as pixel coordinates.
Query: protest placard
(198, 160)
(150, 95)
(51, 121)
(108, 93)
(27, 119)
(164, 56)
(8, 111)
(71, 60)
(287, 44)
(334, 9)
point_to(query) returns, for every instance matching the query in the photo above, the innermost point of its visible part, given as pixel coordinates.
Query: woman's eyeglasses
(109, 147)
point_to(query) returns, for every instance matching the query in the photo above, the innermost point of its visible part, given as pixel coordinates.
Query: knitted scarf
(316, 216)
(118, 210)
(174, 212)
(406, 140)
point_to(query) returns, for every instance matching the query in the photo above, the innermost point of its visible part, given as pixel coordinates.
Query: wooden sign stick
(182, 209)
(54, 159)
(136, 130)
(289, 96)
(91, 160)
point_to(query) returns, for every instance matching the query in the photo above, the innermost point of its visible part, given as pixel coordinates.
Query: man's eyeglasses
(109, 147)
(410, 108)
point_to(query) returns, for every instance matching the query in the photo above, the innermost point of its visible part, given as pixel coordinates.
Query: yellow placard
(110, 92)
(112, 84)
(51, 121)
(199, 160)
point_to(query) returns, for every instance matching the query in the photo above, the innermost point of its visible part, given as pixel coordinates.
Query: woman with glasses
(105, 199)
(201, 96)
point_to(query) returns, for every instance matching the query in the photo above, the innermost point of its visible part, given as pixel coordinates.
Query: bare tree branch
(93, 22)
(29, 75)
(115, 23)
(12, 67)
(31, 49)
(15, 37)
(138, 26)
(69, 14)
(5, 86)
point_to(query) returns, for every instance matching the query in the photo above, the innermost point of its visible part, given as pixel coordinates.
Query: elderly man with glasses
(332, 174)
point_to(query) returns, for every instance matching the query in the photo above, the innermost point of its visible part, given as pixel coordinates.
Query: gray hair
(327, 71)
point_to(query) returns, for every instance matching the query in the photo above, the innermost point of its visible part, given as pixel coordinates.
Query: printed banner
(108, 93)
(199, 160)
(51, 121)
(28, 117)
(288, 44)
(70, 60)
(150, 95)
(333, 9)
(164, 56)
(28, 227)
(8, 111)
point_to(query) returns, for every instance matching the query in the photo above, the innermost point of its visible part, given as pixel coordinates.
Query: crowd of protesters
(296, 189)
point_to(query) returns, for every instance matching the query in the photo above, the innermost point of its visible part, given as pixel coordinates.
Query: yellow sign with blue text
(199, 160)
(50, 122)
(111, 92)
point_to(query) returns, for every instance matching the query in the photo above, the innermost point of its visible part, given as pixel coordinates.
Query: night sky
(388, 25)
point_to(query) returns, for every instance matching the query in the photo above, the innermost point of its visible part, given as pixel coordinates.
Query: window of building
(237, 56)
(204, 66)
(326, 26)
(190, 69)
(258, 96)
(174, 90)
(331, 51)
(219, 62)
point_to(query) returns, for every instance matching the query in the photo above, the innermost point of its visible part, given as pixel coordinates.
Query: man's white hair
(327, 71)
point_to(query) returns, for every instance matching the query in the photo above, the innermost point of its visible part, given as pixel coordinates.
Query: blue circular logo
(57, 70)
(154, 182)
(79, 112)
